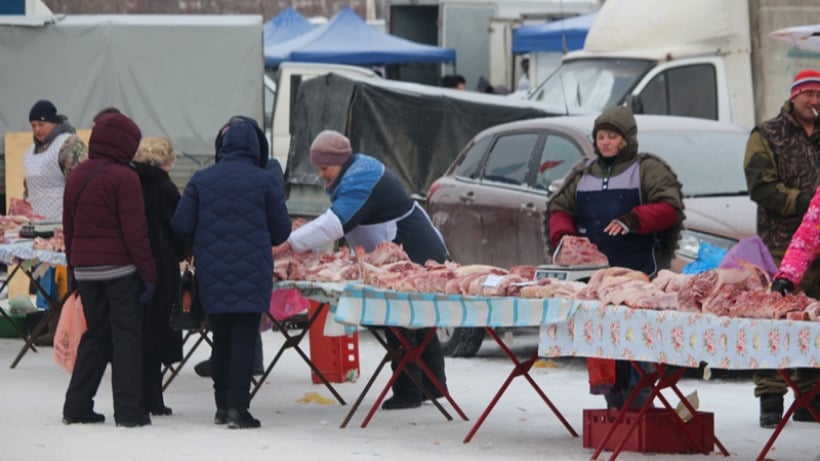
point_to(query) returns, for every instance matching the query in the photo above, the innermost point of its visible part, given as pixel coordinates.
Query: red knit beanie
(330, 148)
(807, 80)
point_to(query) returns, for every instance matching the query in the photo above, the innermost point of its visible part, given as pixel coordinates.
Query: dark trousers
(770, 381)
(152, 399)
(114, 318)
(232, 358)
(432, 356)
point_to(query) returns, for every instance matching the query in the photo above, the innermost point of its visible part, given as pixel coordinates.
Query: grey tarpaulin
(416, 130)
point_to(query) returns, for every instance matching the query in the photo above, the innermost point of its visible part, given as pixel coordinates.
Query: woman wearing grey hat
(369, 206)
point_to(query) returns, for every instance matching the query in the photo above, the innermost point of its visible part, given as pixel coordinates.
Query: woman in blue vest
(368, 205)
(628, 204)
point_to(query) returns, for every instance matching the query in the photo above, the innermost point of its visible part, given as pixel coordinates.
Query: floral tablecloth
(682, 338)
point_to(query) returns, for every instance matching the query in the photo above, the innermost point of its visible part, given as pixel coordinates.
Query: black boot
(241, 419)
(204, 369)
(771, 410)
(221, 416)
(804, 415)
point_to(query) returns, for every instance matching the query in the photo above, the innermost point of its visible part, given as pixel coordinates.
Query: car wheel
(460, 342)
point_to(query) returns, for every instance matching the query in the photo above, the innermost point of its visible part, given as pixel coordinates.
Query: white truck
(702, 58)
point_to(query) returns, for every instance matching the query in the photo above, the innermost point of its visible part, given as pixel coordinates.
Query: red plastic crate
(656, 432)
(337, 357)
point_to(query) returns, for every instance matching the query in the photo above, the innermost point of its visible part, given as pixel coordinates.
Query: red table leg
(660, 379)
(520, 369)
(802, 399)
(407, 353)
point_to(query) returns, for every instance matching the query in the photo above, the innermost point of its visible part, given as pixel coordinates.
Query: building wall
(267, 8)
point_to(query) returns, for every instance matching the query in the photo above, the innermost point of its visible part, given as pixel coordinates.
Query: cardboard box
(655, 432)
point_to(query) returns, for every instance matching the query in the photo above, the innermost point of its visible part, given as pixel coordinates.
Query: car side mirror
(633, 101)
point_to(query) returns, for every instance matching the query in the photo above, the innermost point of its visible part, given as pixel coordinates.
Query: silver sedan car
(490, 203)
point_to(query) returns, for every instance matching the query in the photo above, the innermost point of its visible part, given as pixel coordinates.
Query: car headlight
(690, 241)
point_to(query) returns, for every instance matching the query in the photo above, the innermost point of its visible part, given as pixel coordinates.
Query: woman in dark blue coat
(233, 213)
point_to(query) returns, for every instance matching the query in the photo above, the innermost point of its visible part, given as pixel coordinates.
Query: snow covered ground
(520, 428)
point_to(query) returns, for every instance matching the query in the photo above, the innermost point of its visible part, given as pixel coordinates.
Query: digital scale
(567, 273)
(39, 229)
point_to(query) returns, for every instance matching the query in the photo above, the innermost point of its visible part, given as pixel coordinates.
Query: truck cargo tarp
(563, 35)
(416, 130)
(179, 76)
(347, 39)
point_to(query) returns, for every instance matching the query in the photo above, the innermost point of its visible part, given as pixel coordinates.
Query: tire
(460, 342)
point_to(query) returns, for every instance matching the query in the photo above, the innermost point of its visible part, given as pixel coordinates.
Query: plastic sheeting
(179, 76)
(416, 131)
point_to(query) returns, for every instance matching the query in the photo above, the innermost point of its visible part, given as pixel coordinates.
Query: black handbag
(186, 310)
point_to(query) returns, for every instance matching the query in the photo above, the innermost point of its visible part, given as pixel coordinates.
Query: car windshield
(707, 163)
(590, 84)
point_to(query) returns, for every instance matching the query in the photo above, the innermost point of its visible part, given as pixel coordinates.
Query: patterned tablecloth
(353, 305)
(23, 250)
(682, 338)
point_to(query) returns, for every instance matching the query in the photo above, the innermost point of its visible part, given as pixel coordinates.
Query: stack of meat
(19, 213)
(729, 292)
(54, 243)
(388, 267)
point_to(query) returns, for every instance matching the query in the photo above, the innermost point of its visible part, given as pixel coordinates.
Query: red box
(656, 432)
(336, 357)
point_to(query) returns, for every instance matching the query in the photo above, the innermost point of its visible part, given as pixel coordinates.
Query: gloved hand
(148, 292)
(782, 286)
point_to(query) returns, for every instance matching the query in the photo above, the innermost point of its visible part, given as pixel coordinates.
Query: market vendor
(628, 204)
(369, 206)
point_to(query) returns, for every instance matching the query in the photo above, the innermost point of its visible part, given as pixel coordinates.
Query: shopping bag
(750, 250)
(69, 332)
(287, 302)
(186, 310)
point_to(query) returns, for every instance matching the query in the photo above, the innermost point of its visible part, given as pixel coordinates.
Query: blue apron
(600, 200)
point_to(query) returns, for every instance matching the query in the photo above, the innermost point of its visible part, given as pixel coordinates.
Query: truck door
(687, 88)
(465, 28)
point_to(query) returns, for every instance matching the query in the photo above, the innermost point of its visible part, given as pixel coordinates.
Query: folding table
(684, 339)
(369, 307)
(29, 261)
(298, 322)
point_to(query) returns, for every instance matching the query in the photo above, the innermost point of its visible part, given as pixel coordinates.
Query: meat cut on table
(578, 251)
(740, 292)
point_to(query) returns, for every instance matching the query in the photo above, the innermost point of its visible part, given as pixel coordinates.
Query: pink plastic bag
(750, 250)
(69, 331)
(284, 303)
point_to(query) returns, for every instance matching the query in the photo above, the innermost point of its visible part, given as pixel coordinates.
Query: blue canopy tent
(557, 36)
(285, 26)
(347, 39)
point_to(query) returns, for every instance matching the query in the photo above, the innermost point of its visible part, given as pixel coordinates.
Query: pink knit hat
(330, 148)
(807, 80)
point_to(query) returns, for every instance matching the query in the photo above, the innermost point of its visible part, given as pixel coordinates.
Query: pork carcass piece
(597, 279)
(764, 304)
(18, 207)
(670, 281)
(386, 253)
(578, 251)
(700, 288)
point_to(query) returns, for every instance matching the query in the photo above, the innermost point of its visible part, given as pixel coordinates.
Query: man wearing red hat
(782, 166)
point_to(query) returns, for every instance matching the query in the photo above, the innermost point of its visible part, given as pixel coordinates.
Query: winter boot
(241, 419)
(804, 415)
(771, 410)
